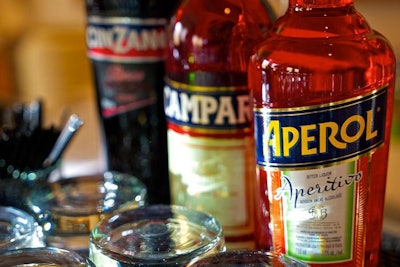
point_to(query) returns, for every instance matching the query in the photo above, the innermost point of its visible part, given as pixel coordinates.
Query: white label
(210, 175)
(101, 260)
(318, 208)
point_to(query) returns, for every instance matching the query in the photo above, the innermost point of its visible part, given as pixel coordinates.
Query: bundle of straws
(25, 144)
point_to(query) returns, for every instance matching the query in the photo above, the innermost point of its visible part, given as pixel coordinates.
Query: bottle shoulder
(204, 23)
(293, 69)
(329, 54)
(336, 39)
(321, 23)
(215, 36)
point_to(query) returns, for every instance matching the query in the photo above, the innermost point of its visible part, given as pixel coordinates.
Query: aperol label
(320, 135)
(317, 161)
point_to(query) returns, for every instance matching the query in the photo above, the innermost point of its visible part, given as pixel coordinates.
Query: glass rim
(15, 217)
(44, 255)
(157, 211)
(49, 203)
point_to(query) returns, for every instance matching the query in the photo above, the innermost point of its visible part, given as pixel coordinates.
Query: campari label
(211, 151)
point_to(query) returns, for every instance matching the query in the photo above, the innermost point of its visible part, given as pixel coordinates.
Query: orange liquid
(336, 56)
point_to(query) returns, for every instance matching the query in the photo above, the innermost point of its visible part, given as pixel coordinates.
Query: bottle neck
(307, 4)
(320, 19)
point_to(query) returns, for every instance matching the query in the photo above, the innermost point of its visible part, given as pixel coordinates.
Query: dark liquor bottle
(323, 87)
(209, 110)
(126, 44)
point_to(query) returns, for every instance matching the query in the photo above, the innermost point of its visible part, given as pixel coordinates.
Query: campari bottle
(209, 110)
(323, 87)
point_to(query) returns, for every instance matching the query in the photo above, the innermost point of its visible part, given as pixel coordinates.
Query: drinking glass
(18, 230)
(69, 209)
(43, 257)
(155, 235)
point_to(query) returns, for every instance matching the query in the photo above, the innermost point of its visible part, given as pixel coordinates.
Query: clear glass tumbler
(18, 230)
(68, 209)
(155, 235)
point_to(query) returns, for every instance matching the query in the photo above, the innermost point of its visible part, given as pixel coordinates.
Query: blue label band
(214, 108)
(320, 135)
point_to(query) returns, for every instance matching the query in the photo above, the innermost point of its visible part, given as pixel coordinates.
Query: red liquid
(210, 44)
(319, 54)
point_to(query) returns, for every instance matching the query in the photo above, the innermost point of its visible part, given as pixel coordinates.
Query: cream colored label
(101, 260)
(318, 209)
(213, 175)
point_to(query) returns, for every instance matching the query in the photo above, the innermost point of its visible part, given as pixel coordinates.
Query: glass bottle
(208, 109)
(323, 87)
(126, 44)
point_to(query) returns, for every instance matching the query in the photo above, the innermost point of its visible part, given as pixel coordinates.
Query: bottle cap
(247, 258)
(131, 8)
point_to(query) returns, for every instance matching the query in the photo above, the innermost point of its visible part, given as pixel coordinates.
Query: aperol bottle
(209, 110)
(323, 86)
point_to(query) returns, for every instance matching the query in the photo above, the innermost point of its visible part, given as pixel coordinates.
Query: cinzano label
(126, 39)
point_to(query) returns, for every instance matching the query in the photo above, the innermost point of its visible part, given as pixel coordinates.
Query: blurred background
(43, 55)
